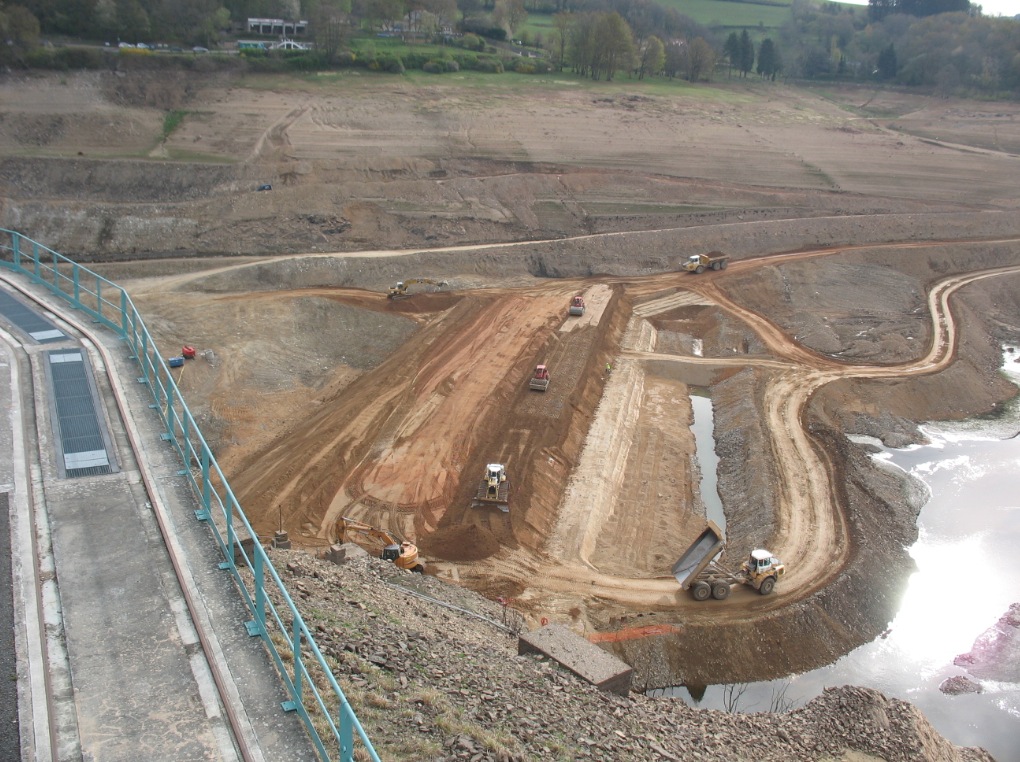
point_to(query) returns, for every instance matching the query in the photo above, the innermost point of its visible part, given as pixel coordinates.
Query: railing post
(37, 274)
(346, 732)
(16, 250)
(206, 486)
(77, 285)
(258, 625)
(295, 647)
(123, 311)
(157, 392)
(168, 390)
(143, 357)
(185, 433)
(231, 534)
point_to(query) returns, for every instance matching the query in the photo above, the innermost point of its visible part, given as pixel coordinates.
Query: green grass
(172, 121)
(716, 14)
(725, 14)
(480, 84)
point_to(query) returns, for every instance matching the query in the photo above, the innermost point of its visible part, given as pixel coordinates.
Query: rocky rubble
(432, 672)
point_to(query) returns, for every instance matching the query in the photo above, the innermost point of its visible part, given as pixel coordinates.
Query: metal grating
(78, 427)
(28, 320)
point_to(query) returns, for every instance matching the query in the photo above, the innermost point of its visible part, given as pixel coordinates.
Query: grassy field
(726, 14)
(718, 15)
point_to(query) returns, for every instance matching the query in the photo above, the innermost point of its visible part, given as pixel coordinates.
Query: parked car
(265, 186)
(125, 45)
(142, 45)
(199, 49)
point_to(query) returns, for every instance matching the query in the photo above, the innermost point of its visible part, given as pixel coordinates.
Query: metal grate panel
(28, 320)
(81, 436)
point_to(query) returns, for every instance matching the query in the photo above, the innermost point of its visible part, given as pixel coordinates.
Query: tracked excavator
(401, 552)
(399, 291)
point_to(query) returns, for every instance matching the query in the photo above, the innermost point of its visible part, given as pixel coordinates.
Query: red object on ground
(188, 352)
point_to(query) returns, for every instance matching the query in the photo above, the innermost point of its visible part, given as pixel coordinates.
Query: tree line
(945, 45)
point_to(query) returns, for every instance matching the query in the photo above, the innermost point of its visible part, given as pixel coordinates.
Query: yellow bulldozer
(401, 552)
(399, 291)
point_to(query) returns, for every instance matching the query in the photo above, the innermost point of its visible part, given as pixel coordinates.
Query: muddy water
(708, 462)
(968, 573)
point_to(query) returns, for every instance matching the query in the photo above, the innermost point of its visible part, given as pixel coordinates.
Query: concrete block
(247, 544)
(583, 658)
(341, 554)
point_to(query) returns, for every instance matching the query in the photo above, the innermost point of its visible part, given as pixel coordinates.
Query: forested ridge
(947, 46)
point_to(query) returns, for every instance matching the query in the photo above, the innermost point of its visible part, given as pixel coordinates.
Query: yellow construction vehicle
(699, 572)
(399, 291)
(698, 263)
(494, 489)
(401, 552)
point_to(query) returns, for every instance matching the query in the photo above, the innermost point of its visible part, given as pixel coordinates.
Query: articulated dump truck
(698, 569)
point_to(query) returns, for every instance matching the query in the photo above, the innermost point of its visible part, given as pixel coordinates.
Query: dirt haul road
(604, 486)
(811, 531)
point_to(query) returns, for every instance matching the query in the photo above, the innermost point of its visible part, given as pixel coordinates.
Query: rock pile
(432, 672)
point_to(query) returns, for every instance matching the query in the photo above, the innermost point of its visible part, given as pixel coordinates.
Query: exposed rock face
(954, 686)
(996, 652)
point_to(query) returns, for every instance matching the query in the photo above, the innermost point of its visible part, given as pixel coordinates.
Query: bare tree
(330, 30)
(516, 15)
(732, 695)
(562, 22)
(780, 702)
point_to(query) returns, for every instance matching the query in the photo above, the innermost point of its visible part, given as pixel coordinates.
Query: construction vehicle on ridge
(540, 380)
(401, 552)
(399, 291)
(494, 489)
(698, 263)
(699, 571)
(576, 306)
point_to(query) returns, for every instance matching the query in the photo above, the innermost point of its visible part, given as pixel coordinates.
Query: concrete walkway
(110, 665)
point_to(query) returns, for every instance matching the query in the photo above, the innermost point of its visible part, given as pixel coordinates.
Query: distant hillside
(738, 14)
(720, 16)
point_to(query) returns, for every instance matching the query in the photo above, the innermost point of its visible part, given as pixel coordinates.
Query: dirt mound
(423, 303)
(461, 543)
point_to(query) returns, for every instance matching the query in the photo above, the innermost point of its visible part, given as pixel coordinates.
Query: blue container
(175, 362)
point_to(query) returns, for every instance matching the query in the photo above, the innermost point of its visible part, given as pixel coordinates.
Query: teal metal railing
(110, 305)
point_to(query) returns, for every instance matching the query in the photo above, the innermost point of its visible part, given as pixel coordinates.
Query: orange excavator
(401, 552)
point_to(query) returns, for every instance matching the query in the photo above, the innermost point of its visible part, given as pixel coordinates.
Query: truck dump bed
(699, 555)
